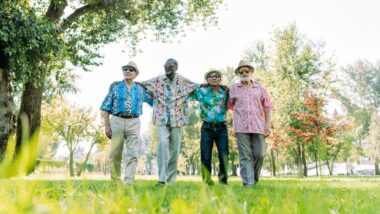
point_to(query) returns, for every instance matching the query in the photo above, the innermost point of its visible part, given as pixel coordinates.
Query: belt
(210, 124)
(125, 116)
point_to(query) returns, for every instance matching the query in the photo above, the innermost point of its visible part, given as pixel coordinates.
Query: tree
(73, 126)
(372, 142)
(359, 92)
(287, 67)
(97, 137)
(24, 39)
(48, 37)
(339, 142)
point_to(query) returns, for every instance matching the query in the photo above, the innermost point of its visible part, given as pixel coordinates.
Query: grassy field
(188, 195)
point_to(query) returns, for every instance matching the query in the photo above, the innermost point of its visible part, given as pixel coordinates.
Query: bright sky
(350, 29)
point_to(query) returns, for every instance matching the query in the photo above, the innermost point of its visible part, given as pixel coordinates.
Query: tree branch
(55, 10)
(90, 8)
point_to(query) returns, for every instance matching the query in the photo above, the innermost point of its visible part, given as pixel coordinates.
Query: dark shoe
(223, 183)
(160, 183)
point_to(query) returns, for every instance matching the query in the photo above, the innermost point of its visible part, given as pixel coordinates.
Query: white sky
(350, 29)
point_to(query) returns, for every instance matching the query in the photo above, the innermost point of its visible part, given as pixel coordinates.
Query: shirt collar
(125, 84)
(165, 78)
(220, 89)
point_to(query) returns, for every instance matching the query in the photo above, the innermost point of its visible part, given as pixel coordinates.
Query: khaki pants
(169, 145)
(124, 132)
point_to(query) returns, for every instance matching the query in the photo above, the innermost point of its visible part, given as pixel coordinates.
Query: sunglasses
(244, 71)
(128, 69)
(216, 76)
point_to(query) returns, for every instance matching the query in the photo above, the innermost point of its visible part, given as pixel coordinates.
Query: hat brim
(249, 66)
(212, 71)
(124, 66)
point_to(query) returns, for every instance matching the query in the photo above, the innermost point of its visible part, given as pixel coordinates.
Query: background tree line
(41, 42)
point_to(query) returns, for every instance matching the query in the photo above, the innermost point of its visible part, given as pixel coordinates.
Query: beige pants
(168, 149)
(124, 132)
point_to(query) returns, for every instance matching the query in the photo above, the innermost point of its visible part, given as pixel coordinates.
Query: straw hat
(212, 71)
(131, 64)
(244, 63)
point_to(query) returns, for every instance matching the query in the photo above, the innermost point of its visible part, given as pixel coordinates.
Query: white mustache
(245, 77)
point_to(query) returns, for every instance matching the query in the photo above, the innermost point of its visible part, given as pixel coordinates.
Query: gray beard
(245, 78)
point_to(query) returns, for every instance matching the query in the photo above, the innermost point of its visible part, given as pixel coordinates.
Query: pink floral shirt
(249, 106)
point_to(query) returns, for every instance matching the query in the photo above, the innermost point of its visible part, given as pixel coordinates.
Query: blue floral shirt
(213, 105)
(121, 100)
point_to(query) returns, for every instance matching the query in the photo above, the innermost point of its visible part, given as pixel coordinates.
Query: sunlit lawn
(189, 195)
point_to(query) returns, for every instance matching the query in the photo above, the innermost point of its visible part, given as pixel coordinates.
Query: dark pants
(217, 133)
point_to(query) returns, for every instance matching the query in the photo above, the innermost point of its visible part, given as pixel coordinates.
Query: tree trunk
(303, 155)
(31, 108)
(377, 169)
(320, 168)
(6, 116)
(273, 162)
(298, 158)
(193, 166)
(30, 105)
(327, 162)
(316, 162)
(71, 164)
(233, 169)
(85, 160)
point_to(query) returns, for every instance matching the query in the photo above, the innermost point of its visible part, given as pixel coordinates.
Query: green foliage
(288, 66)
(372, 141)
(25, 39)
(359, 92)
(41, 39)
(77, 127)
(345, 195)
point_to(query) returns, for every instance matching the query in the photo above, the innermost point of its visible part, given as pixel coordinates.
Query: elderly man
(213, 105)
(124, 102)
(170, 114)
(251, 120)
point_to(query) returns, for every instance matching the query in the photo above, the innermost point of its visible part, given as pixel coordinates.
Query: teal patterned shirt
(213, 105)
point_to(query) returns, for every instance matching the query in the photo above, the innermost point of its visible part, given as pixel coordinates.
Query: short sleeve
(195, 95)
(231, 98)
(191, 86)
(150, 85)
(266, 101)
(108, 100)
(147, 97)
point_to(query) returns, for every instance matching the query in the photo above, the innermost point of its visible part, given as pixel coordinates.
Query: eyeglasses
(216, 76)
(128, 69)
(244, 71)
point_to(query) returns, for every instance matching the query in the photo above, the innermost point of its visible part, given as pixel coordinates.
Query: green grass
(282, 195)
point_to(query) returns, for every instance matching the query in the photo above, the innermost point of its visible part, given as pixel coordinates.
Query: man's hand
(267, 131)
(108, 131)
